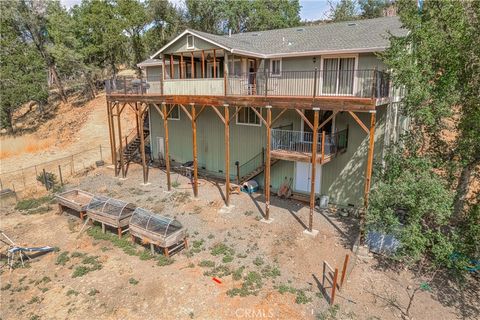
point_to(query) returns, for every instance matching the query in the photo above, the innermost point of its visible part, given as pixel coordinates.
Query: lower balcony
(297, 145)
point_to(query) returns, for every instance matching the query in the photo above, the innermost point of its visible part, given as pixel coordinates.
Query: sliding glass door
(338, 76)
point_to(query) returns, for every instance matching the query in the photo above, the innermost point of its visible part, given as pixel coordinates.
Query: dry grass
(12, 146)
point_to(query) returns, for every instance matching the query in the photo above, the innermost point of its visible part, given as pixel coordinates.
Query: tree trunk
(462, 190)
(58, 82)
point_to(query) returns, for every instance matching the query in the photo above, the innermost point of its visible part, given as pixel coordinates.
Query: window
(276, 67)
(174, 113)
(190, 42)
(338, 76)
(248, 117)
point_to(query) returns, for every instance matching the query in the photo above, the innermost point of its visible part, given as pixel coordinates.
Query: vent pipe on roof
(229, 33)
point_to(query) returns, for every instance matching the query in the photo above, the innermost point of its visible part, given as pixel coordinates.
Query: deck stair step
(256, 171)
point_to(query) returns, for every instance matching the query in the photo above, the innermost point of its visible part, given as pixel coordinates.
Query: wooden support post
(103, 227)
(120, 148)
(165, 252)
(314, 167)
(368, 177)
(111, 136)
(119, 230)
(214, 64)
(267, 162)
(152, 248)
(344, 269)
(167, 148)
(203, 63)
(193, 65)
(194, 142)
(82, 215)
(323, 146)
(60, 209)
(225, 72)
(334, 287)
(172, 70)
(132, 238)
(181, 65)
(227, 155)
(141, 115)
(45, 180)
(185, 242)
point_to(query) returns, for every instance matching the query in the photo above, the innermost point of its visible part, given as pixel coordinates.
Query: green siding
(343, 178)
(181, 45)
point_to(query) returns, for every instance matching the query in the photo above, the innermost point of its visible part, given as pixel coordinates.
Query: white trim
(271, 68)
(175, 119)
(249, 124)
(181, 35)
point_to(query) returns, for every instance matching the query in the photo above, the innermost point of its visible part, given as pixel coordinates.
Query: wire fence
(53, 173)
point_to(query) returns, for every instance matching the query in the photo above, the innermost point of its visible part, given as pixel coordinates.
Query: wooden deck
(333, 103)
(300, 156)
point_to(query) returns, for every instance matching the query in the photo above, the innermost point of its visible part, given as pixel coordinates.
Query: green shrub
(48, 180)
(133, 281)
(258, 261)
(33, 203)
(72, 292)
(62, 258)
(222, 249)
(206, 264)
(164, 261)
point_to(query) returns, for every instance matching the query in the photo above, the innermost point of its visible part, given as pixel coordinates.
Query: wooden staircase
(133, 148)
(256, 171)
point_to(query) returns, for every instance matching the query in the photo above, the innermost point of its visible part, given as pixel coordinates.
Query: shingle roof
(359, 34)
(350, 36)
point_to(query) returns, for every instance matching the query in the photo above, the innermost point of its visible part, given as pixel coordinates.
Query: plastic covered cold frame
(162, 231)
(110, 211)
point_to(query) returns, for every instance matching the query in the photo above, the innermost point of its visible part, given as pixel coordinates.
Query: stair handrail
(258, 160)
(132, 135)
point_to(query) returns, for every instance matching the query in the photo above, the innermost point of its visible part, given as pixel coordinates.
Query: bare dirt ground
(283, 263)
(69, 129)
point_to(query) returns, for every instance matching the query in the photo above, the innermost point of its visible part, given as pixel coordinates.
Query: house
(312, 106)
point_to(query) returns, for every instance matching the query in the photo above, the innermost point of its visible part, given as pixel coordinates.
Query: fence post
(72, 169)
(36, 172)
(334, 286)
(344, 270)
(45, 179)
(315, 83)
(60, 174)
(101, 155)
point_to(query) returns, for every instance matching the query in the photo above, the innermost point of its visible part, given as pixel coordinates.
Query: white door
(160, 148)
(303, 173)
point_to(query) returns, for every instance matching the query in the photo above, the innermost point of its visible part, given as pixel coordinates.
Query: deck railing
(315, 83)
(298, 141)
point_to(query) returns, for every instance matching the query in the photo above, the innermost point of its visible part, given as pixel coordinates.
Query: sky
(311, 9)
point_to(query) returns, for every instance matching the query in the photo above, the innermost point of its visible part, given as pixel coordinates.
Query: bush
(412, 202)
(49, 180)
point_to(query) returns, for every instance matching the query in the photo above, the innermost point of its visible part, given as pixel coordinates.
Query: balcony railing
(301, 142)
(315, 83)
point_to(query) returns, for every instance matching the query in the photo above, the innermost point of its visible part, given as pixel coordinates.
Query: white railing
(298, 141)
(200, 87)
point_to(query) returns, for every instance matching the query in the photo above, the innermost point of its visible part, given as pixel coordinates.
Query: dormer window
(190, 42)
